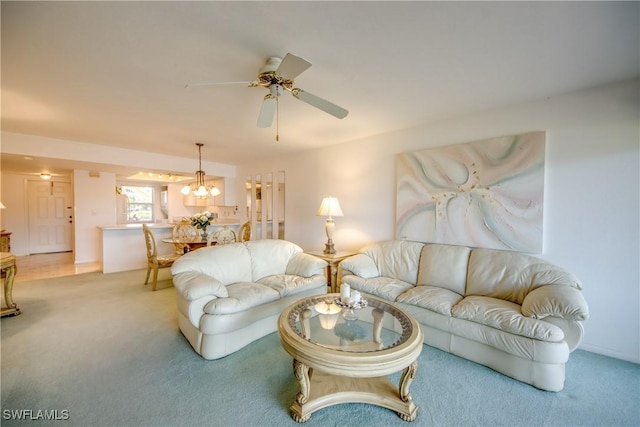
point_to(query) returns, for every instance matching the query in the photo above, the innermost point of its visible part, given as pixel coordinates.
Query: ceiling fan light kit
(277, 75)
(200, 188)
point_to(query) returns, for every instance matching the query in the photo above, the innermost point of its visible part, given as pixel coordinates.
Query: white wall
(94, 205)
(591, 212)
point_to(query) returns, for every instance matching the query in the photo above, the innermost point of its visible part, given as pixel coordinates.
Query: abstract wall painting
(483, 194)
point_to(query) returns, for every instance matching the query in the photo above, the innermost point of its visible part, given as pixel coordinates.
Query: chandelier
(200, 188)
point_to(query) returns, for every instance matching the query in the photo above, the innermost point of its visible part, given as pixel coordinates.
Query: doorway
(266, 205)
(50, 216)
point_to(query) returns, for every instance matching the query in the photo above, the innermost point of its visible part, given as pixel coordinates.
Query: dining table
(185, 246)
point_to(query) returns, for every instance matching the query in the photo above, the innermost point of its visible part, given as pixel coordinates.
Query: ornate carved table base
(350, 360)
(319, 390)
(8, 268)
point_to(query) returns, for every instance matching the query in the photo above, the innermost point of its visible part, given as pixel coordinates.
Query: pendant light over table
(200, 188)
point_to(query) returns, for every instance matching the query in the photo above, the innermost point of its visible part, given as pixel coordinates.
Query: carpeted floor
(103, 350)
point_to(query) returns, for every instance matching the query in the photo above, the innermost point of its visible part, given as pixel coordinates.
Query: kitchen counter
(218, 222)
(225, 221)
(123, 247)
(133, 226)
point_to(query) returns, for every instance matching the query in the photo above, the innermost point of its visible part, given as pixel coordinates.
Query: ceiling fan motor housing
(276, 89)
(271, 66)
(268, 77)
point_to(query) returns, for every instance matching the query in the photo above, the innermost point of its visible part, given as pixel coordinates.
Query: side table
(332, 268)
(8, 269)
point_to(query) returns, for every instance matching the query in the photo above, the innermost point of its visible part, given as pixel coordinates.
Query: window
(140, 203)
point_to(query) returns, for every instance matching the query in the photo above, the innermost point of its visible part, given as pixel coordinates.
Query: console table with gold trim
(8, 269)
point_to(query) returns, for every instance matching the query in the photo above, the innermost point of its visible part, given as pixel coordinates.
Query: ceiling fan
(277, 75)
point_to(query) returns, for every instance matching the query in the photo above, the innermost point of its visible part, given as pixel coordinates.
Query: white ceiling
(113, 73)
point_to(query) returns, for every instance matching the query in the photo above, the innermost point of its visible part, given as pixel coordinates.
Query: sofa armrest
(557, 301)
(573, 330)
(360, 265)
(192, 285)
(305, 265)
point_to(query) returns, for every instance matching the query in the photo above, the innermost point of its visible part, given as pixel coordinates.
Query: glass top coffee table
(344, 355)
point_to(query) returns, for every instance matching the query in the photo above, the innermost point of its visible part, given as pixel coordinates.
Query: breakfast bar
(123, 247)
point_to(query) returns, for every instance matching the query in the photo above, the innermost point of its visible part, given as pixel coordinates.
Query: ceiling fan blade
(267, 111)
(292, 66)
(322, 104)
(188, 85)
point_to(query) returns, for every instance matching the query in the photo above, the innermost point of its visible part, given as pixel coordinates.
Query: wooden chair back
(154, 262)
(222, 236)
(244, 233)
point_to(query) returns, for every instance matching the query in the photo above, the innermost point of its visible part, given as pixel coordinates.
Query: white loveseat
(514, 313)
(230, 295)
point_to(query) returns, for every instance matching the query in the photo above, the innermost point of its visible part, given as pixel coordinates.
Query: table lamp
(329, 208)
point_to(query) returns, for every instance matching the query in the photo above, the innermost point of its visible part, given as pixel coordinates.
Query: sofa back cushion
(270, 257)
(444, 266)
(511, 276)
(227, 263)
(398, 259)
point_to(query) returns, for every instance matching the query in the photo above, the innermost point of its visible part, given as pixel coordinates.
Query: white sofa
(230, 295)
(514, 313)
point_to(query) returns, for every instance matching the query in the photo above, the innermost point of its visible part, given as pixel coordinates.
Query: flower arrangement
(202, 220)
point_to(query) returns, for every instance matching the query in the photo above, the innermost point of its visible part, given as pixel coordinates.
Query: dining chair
(155, 262)
(244, 233)
(211, 239)
(222, 236)
(182, 233)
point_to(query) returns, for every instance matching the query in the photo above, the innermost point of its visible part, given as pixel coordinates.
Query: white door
(50, 216)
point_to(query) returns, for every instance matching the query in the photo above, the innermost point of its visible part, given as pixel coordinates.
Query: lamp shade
(2, 206)
(330, 207)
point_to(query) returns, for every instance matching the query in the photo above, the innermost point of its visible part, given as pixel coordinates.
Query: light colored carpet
(108, 350)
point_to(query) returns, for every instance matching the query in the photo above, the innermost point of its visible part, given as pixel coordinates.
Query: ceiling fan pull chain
(277, 119)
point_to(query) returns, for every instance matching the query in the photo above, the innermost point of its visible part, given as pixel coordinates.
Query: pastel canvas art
(486, 194)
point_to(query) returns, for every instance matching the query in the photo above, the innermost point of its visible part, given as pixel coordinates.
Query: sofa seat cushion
(383, 287)
(505, 316)
(432, 298)
(288, 284)
(242, 296)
